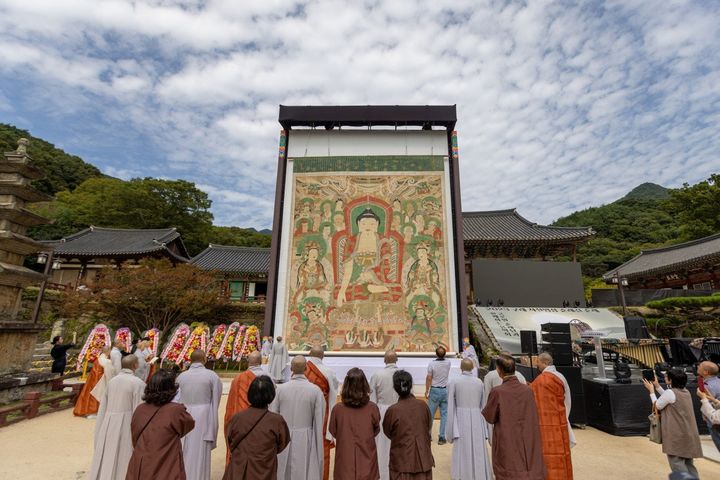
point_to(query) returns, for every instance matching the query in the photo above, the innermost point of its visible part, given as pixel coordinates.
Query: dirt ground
(58, 446)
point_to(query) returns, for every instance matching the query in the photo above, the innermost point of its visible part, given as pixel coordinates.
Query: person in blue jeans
(436, 384)
(709, 373)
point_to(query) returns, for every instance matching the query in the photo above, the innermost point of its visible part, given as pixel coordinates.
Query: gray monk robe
(277, 362)
(200, 390)
(465, 429)
(302, 405)
(384, 395)
(517, 448)
(113, 440)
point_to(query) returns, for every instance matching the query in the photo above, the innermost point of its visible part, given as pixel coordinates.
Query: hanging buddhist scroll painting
(367, 264)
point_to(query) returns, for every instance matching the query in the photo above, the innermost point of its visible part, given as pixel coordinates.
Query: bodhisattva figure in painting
(369, 262)
(311, 279)
(423, 277)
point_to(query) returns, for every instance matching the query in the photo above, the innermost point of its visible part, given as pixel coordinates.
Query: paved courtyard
(59, 446)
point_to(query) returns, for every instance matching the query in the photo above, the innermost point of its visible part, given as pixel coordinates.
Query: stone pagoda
(17, 337)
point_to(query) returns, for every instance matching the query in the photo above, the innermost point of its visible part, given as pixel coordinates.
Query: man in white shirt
(436, 392)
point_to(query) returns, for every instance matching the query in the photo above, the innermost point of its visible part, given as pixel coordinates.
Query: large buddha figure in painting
(367, 263)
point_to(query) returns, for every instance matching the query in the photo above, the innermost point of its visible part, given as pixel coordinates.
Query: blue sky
(561, 105)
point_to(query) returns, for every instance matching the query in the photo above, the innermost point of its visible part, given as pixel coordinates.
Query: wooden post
(33, 401)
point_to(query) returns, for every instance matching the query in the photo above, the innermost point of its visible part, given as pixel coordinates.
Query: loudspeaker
(528, 342)
(636, 328)
(556, 337)
(557, 342)
(573, 375)
(555, 327)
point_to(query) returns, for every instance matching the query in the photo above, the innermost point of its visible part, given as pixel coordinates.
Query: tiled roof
(108, 242)
(669, 258)
(510, 226)
(234, 259)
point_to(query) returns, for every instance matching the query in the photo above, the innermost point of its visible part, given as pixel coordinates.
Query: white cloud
(560, 107)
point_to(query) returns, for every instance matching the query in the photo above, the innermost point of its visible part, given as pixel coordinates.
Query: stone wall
(16, 349)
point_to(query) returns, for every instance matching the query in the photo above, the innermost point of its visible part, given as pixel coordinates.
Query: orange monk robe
(315, 376)
(237, 400)
(549, 393)
(86, 403)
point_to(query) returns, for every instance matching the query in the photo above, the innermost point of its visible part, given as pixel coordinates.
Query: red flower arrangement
(216, 342)
(252, 341)
(237, 345)
(154, 335)
(97, 339)
(175, 345)
(125, 336)
(226, 349)
(198, 340)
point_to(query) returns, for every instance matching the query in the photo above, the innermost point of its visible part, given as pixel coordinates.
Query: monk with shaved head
(384, 395)
(321, 375)
(200, 390)
(238, 396)
(302, 405)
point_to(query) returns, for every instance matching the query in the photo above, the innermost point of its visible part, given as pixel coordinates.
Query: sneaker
(441, 441)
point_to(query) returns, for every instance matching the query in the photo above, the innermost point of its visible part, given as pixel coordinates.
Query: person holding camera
(680, 438)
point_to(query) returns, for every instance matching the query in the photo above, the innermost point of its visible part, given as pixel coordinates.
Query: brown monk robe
(324, 378)
(516, 444)
(237, 400)
(256, 436)
(86, 404)
(549, 393)
(156, 433)
(407, 424)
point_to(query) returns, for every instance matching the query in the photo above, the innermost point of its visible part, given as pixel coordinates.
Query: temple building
(82, 255)
(243, 271)
(693, 265)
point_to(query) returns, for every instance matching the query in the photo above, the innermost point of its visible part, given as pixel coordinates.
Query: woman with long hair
(408, 425)
(680, 440)
(355, 423)
(157, 426)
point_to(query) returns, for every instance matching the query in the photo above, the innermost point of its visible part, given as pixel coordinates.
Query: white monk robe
(568, 399)
(277, 362)
(492, 380)
(465, 429)
(333, 382)
(384, 395)
(113, 441)
(116, 357)
(199, 390)
(143, 366)
(109, 373)
(302, 405)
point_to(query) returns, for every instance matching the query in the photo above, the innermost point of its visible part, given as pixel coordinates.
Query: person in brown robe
(256, 436)
(237, 399)
(157, 426)
(355, 423)
(86, 404)
(408, 425)
(516, 446)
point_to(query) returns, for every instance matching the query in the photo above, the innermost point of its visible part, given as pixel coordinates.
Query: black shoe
(441, 441)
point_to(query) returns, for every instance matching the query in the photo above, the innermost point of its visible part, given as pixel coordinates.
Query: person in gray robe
(466, 427)
(492, 380)
(302, 405)
(113, 438)
(200, 390)
(278, 360)
(144, 355)
(384, 395)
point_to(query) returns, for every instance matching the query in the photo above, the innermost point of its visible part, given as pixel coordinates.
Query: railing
(33, 404)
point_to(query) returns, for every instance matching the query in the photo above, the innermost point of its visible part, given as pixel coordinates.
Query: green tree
(697, 207)
(138, 203)
(240, 237)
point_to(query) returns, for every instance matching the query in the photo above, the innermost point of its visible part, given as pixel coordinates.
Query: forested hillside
(84, 197)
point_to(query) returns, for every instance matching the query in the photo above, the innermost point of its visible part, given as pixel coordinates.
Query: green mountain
(648, 191)
(641, 219)
(63, 171)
